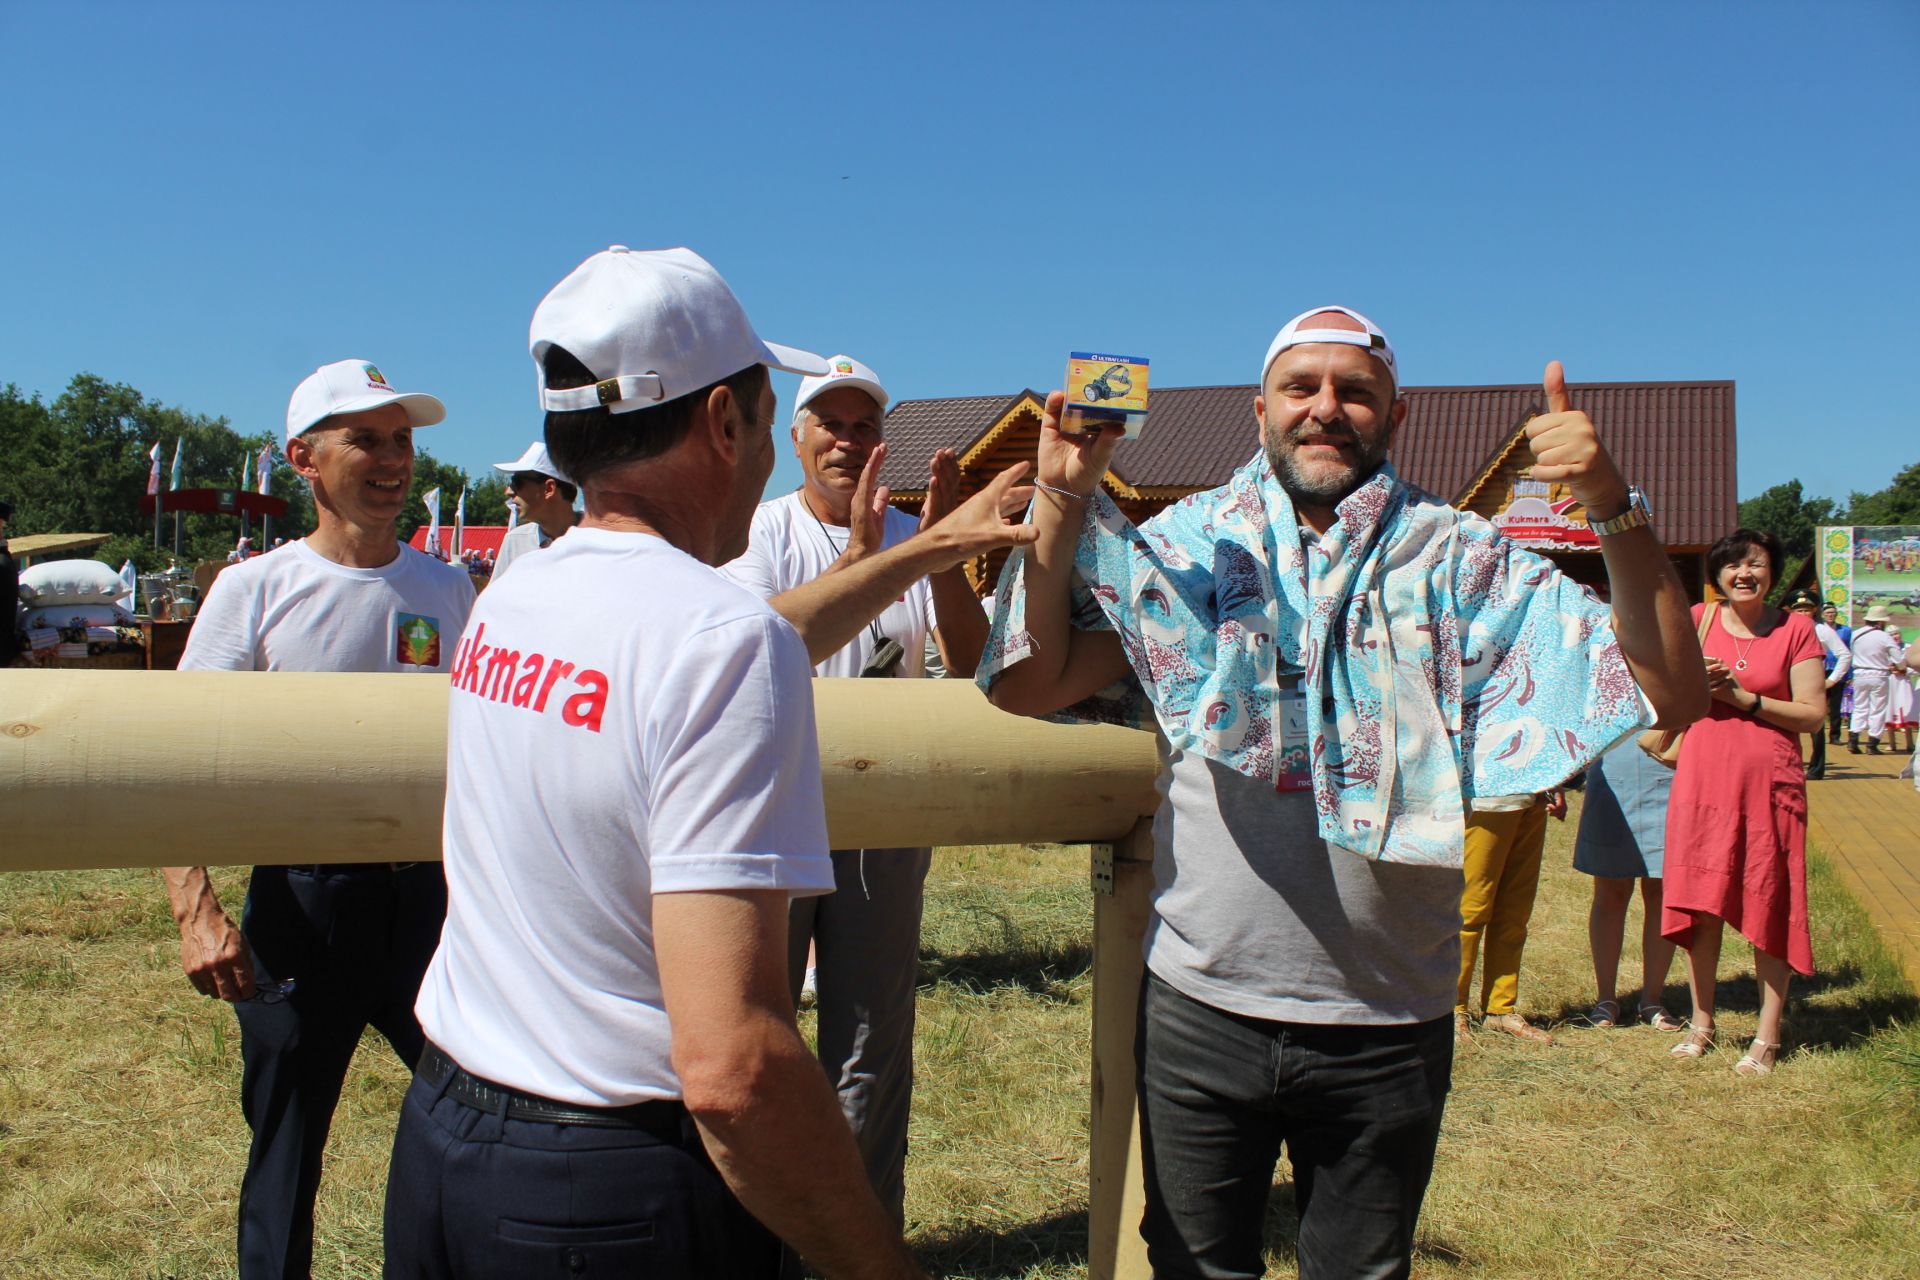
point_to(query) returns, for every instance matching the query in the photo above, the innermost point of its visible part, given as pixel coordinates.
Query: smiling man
(324, 951)
(1339, 663)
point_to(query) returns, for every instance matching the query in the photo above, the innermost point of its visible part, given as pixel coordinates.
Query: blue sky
(207, 201)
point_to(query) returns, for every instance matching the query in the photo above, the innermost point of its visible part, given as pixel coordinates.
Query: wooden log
(1122, 888)
(116, 769)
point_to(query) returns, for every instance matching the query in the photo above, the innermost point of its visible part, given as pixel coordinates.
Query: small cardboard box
(1103, 390)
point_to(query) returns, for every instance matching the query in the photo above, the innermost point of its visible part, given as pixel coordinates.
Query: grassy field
(121, 1142)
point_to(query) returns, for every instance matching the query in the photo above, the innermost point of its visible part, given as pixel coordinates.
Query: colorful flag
(264, 469)
(178, 445)
(432, 498)
(153, 475)
(460, 523)
(128, 580)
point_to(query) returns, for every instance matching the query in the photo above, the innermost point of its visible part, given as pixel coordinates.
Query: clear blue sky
(207, 201)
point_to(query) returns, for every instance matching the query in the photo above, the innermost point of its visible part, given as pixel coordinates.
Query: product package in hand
(1104, 390)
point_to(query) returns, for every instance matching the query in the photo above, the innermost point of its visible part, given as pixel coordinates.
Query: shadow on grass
(1841, 1024)
(1042, 971)
(984, 1253)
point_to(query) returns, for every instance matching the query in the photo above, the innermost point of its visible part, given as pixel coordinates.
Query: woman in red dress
(1737, 821)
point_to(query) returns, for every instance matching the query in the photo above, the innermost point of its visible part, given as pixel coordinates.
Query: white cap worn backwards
(652, 325)
(1368, 336)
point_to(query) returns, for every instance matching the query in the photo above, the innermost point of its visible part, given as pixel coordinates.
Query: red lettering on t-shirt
(476, 652)
(586, 708)
(555, 670)
(523, 692)
(499, 678)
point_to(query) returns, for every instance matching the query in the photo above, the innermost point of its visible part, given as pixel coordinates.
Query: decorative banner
(1885, 562)
(1834, 546)
(1541, 515)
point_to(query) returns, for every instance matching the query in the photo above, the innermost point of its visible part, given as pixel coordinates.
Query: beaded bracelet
(1065, 493)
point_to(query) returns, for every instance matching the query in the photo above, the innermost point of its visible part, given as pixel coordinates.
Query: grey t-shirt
(1254, 914)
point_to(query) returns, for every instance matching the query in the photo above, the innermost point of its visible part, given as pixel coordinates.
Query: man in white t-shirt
(614, 1082)
(1877, 658)
(542, 500)
(1838, 662)
(324, 951)
(866, 933)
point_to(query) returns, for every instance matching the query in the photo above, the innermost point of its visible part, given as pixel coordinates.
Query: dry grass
(121, 1141)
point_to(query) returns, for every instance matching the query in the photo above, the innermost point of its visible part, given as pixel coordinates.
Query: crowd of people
(1370, 707)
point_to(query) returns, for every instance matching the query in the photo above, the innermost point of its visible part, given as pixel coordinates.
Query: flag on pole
(128, 580)
(513, 517)
(432, 498)
(460, 523)
(264, 469)
(153, 475)
(178, 445)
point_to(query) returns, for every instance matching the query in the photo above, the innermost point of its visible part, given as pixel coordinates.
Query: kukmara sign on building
(1544, 516)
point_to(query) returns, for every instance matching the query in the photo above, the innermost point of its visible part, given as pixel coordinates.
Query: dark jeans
(471, 1194)
(356, 941)
(1357, 1106)
(1835, 724)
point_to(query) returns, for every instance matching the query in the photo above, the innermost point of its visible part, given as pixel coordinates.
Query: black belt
(664, 1119)
(352, 868)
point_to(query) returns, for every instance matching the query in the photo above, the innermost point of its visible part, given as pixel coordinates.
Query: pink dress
(1737, 820)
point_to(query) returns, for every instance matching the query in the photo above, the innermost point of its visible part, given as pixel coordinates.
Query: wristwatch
(1636, 516)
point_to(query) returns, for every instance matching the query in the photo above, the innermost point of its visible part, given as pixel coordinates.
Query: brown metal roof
(1674, 439)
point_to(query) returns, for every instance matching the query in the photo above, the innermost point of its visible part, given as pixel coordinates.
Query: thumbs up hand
(1567, 450)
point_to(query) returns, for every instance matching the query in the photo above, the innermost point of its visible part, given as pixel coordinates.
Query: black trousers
(1835, 724)
(475, 1195)
(1358, 1108)
(356, 941)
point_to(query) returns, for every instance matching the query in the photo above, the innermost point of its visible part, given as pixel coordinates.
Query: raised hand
(1567, 449)
(943, 487)
(988, 520)
(1073, 462)
(867, 519)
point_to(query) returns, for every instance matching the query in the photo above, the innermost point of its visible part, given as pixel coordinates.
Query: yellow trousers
(1502, 874)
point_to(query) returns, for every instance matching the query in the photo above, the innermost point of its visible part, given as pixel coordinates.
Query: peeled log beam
(136, 768)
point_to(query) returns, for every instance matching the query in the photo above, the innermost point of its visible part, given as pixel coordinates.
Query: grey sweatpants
(866, 938)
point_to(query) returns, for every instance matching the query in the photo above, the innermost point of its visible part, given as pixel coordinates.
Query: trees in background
(79, 465)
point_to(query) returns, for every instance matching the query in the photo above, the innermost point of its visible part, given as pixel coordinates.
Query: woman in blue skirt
(1623, 827)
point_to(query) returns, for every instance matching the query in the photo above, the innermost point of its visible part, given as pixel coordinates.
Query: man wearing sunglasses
(542, 497)
(324, 951)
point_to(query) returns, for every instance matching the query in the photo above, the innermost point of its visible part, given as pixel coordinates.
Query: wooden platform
(1866, 820)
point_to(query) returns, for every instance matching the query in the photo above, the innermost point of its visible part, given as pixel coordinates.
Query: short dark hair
(1737, 544)
(586, 442)
(566, 488)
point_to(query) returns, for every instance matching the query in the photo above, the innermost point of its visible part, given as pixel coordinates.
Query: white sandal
(1750, 1065)
(1697, 1043)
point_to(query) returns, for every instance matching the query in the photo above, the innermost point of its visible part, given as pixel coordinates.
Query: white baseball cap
(537, 459)
(652, 325)
(842, 371)
(353, 386)
(1292, 335)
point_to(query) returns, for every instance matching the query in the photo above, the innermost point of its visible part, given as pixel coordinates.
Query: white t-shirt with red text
(623, 723)
(790, 546)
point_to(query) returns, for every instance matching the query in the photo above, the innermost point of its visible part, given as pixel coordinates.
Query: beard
(1328, 487)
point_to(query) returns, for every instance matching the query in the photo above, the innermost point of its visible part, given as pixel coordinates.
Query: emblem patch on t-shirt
(416, 640)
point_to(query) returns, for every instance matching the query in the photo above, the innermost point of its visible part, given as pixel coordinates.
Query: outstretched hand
(943, 487)
(988, 520)
(1567, 449)
(867, 518)
(1074, 462)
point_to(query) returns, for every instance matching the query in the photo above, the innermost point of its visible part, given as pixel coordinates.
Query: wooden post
(1122, 887)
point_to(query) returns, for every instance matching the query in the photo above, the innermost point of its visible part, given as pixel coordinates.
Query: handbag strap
(1707, 614)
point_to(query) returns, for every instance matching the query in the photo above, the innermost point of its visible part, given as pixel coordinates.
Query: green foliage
(1788, 515)
(79, 465)
(1898, 503)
